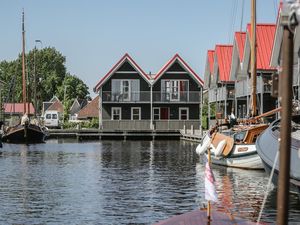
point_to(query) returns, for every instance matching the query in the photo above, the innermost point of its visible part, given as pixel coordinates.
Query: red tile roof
(265, 34)
(183, 63)
(57, 105)
(17, 108)
(91, 110)
(210, 57)
(240, 38)
(116, 66)
(224, 58)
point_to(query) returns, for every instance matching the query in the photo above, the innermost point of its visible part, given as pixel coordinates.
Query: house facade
(130, 99)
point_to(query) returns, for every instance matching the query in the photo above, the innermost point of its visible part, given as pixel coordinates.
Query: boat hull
(25, 134)
(267, 146)
(246, 160)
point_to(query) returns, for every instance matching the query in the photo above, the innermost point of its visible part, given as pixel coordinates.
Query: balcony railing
(243, 88)
(221, 94)
(144, 96)
(182, 96)
(140, 125)
(141, 96)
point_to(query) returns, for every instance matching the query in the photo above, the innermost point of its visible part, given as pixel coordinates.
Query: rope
(268, 188)
(242, 15)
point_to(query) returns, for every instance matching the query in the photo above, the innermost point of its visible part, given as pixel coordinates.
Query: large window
(135, 113)
(174, 90)
(125, 90)
(116, 113)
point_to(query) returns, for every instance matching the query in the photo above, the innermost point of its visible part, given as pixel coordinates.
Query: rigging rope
(268, 187)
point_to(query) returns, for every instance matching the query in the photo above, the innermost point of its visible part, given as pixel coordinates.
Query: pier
(85, 134)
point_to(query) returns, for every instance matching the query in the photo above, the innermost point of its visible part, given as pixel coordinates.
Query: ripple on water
(117, 182)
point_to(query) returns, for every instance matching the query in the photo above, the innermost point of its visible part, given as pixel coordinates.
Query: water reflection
(117, 182)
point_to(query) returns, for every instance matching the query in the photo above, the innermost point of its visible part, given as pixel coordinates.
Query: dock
(96, 134)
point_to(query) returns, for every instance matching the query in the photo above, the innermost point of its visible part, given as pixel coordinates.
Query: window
(156, 113)
(125, 90)
(48, 116)
(54, 116)
(183, 113)
(135, 113)
(174, 90)
(116, 113)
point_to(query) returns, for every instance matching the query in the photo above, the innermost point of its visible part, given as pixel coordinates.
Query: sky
(94, 34)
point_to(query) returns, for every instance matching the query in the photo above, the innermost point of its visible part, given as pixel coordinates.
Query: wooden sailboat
(27, 131)
(235, 147)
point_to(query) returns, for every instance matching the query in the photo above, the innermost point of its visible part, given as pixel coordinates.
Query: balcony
(158, 97)
(176, 97)
(142, 96)
(140, 125)
(221, 94)
(243, 88)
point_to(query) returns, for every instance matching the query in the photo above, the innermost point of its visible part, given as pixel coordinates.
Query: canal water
(121, 182)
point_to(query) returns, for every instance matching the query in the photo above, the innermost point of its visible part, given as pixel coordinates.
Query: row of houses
(130, 99)
(227, 71)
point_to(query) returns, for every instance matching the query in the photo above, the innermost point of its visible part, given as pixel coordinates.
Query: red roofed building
(209, 69)
(265, 34)
(91, 110)
(17, 109)
(222, 88)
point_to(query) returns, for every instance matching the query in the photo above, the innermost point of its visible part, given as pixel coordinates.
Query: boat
(267, 146)
(234, 147)
(27, 131)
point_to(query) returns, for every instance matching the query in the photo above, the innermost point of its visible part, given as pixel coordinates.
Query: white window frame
(129, 89)
(187, 111)
(112, 112)
(169, 89)
(158, 113)
(139, 108)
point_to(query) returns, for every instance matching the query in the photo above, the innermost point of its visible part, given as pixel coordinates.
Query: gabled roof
(209, 68)
(90, 110)
(240, 38)
(223, 56)
(265, 34)
(237, 55)
(185, 66)
(17, 108)
(57, 105)
(125, 58)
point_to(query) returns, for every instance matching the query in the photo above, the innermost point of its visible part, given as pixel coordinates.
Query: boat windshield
(238, 137)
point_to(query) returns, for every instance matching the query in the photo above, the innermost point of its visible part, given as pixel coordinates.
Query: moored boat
(267, 146)
(234, 147)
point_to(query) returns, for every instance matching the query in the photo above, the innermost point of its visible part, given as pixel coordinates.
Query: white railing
(139, 125)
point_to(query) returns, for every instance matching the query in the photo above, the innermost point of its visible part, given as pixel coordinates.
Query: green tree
(46, 74)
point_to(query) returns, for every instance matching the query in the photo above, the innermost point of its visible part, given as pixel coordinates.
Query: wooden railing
(140, 125)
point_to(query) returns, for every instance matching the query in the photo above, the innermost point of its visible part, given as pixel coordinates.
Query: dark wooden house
(130, 99)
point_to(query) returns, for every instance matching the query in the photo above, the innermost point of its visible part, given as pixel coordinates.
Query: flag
(210, 189)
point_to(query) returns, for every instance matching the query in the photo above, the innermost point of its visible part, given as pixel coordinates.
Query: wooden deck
(96, 134)
(199, 217)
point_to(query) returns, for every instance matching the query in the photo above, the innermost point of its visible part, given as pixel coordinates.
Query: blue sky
(95, 34)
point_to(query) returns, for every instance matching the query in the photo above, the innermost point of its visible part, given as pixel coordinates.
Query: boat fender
(201, 148)
(220, 148)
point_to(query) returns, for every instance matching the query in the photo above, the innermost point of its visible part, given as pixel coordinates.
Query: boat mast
(288, 21)
(23, 63)
(253, 57)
